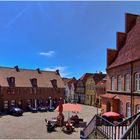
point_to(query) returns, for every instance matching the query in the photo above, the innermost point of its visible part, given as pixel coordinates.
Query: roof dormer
(34, 82)
(54, 83)
(11, 81)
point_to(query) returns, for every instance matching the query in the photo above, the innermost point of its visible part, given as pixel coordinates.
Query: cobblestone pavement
(33, 126)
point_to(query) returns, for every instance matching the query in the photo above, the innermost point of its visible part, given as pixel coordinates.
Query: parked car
(16, 111)
(42, 109)
(51, 109)
(33, 109)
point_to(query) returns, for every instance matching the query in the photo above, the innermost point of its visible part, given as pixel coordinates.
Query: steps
(97, 134)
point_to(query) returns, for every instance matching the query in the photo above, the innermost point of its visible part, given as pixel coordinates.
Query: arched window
(119, 84)
(127, 82)
(113, 83)
(137, 81)
(137, 108)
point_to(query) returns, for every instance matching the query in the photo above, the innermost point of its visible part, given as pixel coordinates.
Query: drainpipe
(131, 88)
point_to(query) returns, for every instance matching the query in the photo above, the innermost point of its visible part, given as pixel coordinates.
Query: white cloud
(62, 70)
(50, 53)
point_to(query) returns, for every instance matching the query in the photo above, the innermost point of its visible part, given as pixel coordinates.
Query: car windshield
(17, 109)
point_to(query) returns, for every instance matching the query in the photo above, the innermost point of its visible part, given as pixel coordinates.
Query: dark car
(42, 109)
(51, 109)
(33, 109)
(16, 111)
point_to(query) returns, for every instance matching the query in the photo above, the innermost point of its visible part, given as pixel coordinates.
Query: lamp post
(97, 102)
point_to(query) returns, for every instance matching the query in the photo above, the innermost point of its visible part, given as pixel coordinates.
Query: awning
(110, 96)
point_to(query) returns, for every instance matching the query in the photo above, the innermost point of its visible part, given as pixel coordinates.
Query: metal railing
(108, 129)
(88, 129)
(133, 131)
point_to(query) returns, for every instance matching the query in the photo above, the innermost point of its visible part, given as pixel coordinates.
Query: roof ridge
(4, 67)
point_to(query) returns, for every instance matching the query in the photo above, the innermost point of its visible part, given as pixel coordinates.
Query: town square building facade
(70, 86)
(100, 90)
(22, 87)
(123, 70)
(90, 88)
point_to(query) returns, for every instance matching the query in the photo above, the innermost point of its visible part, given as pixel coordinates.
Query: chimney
(57, 71)
(17, 68)
(74, 78)
(38, 70)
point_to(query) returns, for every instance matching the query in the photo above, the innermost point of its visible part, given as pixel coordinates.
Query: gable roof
(85, 76)
(96, 77)
(131, 49)
(23, 77)
(66, 80)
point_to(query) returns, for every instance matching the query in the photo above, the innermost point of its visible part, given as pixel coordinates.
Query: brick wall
(24, 94)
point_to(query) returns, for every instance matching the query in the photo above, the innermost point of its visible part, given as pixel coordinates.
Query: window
(5, 104)
(127, 82)
(13, 102)
(113, 83)
(119, 83)
(137, 108)
(137, 81)
(128, 111)
(10, 90)
(34, 90)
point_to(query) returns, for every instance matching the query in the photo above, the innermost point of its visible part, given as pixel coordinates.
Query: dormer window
(11, 81)
(54, 83)
(34, 82)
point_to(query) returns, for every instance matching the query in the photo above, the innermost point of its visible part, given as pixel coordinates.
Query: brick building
(123, 70)
(83, 88)
(90, 88)
(70, 86)
(100, 90)
(22, 87)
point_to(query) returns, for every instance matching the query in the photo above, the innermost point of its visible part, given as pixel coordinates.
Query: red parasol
(70, 107)
(60, 107)
(112, 114)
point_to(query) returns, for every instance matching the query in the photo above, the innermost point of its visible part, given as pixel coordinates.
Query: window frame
(137, 81)
(127, 82)
(113, 83)
(119, 83)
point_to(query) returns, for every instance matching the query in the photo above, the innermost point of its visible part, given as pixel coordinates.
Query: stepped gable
(131, 49)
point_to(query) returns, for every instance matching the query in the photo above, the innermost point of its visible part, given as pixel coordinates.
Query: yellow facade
(90, 91)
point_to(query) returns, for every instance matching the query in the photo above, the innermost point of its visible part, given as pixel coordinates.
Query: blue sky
(70, 36)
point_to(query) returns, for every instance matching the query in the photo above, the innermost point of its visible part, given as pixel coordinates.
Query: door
(90, 99)
(108, 107)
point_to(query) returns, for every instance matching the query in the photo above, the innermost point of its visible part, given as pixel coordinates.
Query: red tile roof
(23, 77)
(96, 76)
(131, 50)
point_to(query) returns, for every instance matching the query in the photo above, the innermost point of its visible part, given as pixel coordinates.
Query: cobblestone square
(33, 126)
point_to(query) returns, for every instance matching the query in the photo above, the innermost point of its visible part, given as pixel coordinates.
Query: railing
(88, 129)
(133, 132)
(108, 129)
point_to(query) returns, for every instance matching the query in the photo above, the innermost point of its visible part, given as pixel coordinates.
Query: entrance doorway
(108, 107)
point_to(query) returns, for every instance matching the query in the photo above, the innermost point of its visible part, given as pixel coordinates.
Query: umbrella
(60, 107)
(70, 107)
(112, 114)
